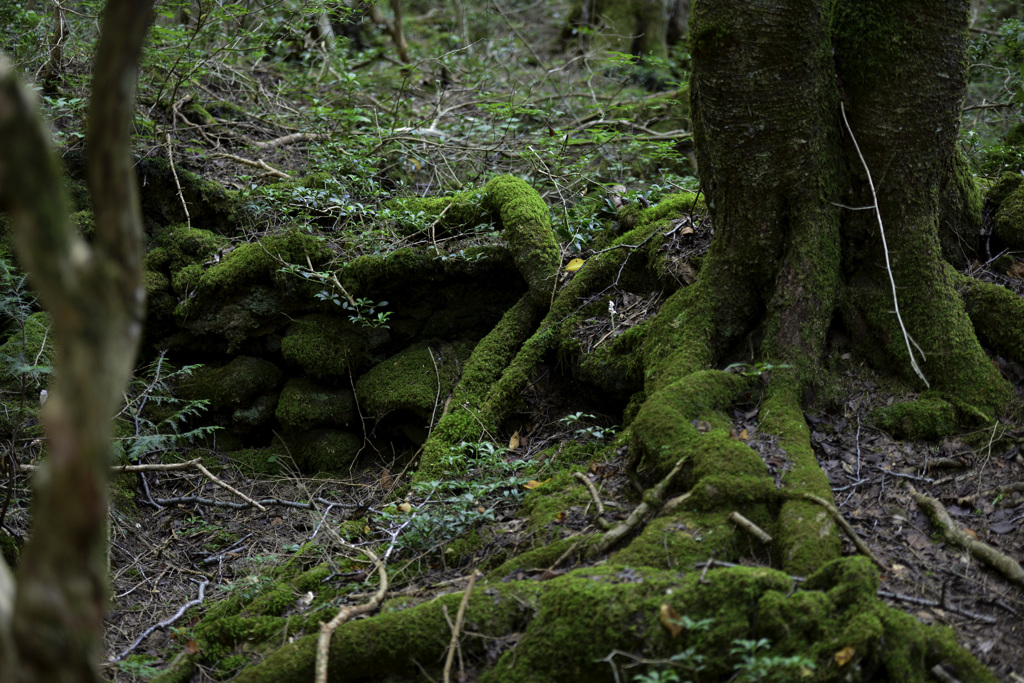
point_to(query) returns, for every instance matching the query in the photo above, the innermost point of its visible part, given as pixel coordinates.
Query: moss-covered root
(489, 360)
(664, 431)
(526, 221)
(806, 539)
(570, 628)
(399, 642)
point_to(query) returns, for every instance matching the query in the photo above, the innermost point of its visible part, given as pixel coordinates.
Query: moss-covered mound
(231, 386)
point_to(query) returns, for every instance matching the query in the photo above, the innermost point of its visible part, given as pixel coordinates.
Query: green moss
(330, 347)
(457, 212)
(210, 206)
(416, 379)
(1008, 227)
(806, 538)
(1006, 185)
(928, 417)
(33, 350)
(526, 222)
(186, 280)
(305, 405)
(231, 386)
(261, 461)
(325, 450)
(178, 245)
(261, 262)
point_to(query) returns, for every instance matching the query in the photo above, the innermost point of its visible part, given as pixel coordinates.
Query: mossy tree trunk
(779, 167)
(95, 295)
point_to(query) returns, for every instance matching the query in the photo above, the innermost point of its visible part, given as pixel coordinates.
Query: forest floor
(160, 557)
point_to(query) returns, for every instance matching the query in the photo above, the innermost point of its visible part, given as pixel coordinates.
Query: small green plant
(591, 432)
(480, 479)
(758, 664)
(362, 311)
(139, 666)
(157, 420)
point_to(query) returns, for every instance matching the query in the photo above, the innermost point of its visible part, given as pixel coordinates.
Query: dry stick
(838, 519)
(285, 140)
(1006, 565)
(751, 528)
(163, 624)
(118, 469)
(323, 643)
(174, 172)
(259, 163)
(228, 487)
(601, 521)
(460, 615)
(191, 464)
(885, 247)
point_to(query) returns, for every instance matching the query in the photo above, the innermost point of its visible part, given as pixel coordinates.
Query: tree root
(1005, 565)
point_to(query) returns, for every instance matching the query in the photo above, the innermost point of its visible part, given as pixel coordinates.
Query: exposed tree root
(1006, 565)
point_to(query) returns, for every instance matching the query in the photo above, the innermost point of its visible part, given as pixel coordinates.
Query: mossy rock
(324, 450)
(210, 206)
(330, 347)
(305, 405)
(260, 414)
(232, 386)
(179, 245)
(246, 296)
(412, 379)
(268, 461)
(921, 419)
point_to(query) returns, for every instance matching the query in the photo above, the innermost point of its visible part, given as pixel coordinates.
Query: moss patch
(234, 385)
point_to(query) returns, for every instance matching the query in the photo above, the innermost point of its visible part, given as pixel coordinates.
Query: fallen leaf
(533, 483)
(844, 656)
(574, 265)
(513, 443)
(405, 507)
(743, 434)
(669, 619)
(191, 647)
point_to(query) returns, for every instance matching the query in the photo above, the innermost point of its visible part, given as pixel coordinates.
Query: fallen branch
(459, 618)
(163, 624)
(1006, 565)
(323, 643)
(751, 528)
(601, 521)
(259, 163)
(285, 140)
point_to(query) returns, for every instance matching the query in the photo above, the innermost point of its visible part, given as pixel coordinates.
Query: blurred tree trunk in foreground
(51, 620)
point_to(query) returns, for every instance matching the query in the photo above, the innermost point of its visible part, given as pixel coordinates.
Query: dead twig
(601, 521)
(651, 503)
(323, 643)
(163, 624)
(259, 163)
(459, 617)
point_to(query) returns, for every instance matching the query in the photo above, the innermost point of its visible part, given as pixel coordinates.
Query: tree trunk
(95, 296)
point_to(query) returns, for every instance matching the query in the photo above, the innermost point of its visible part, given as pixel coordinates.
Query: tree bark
(96, 298)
